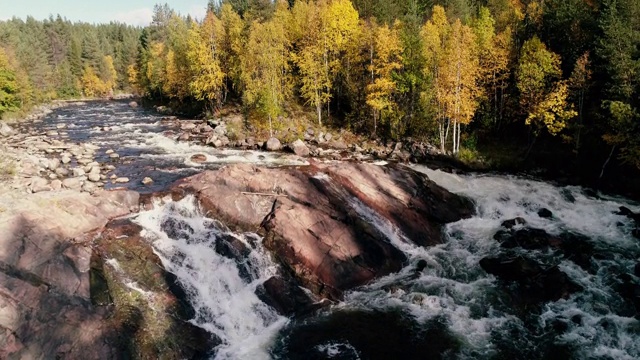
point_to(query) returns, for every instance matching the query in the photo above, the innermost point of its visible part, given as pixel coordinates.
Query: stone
(299, 148)
(286, 296)
(509, 224)
(147, 181)
(61, 126)
(199, 158)
(6, 130)
(188, 126)
(273, 144)
(184, 137)
(328, 137)
(66, 159)
(317, 226)
(122, 180)
(545, 213)
(94, 177)
(133, 104)
(217, 143)
(114, 156)
(72, 183)
(39, 184)
(62, 172)
(89, 187)
(52, 133)
(537, 284)
(54, 164)
(109, 152)
(78, 172)
(56, 185)
(52, 176)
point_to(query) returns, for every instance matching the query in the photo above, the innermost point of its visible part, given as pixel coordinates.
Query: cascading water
(220, 288)
(451, 308)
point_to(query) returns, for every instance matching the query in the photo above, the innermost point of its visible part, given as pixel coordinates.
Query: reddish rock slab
(328, 223)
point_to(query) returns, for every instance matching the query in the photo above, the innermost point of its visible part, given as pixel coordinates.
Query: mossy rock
(150, 311)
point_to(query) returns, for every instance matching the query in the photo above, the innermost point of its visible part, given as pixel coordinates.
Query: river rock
(62, 172)
(509, 224)
(77, 172)
(133, 104)
(537, 284)
(286, 296)
(545, 213)
(56, 185)
(122, 180)
(5, 130)
(39, 184)
(315, 218)
(109, 152)
(184, 137)
(72, 183)
(199, 158)
(273, 144)
(54, 164)
(94, 177)
(147, 181)
(299, 148)
(163, 310)
(114, 156)
(65, 159)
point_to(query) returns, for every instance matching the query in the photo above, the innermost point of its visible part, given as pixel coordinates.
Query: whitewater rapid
(452, 290)
(469, 308)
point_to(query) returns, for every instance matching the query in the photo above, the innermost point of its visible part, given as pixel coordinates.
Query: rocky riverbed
(237, 249)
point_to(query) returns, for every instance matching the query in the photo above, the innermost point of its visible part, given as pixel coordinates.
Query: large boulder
(537, 283)
(273, 144)
(330, 224)
(152, 317)
(299, 148)
(45, 308)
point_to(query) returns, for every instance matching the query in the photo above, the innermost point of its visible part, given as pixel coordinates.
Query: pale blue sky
(134, 12)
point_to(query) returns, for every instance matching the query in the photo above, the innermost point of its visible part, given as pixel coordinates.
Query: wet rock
(133, 104)
(360, 334)
(273, 144)
(109, 152)
(184, 137)
(315, 221)
(114, 156)
(567, 195)
(199, 158)
(635, 233)
(509, 224)
(286, 297)
(188, 126)
(299, 148)
(625, 211)
(147, 181)
(154, 325)
(545, 213)
(537, 284)
(122, 180)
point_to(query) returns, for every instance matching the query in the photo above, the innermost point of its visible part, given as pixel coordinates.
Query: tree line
(53, 59)
(454, 71)
(565, 70)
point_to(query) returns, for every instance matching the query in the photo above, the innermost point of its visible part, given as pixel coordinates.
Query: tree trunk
(270, 127)
(613, 149)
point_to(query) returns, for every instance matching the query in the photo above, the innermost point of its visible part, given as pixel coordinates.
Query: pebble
(147, 181)
(122, 180)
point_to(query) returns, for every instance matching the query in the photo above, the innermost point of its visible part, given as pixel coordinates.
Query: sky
(134, 12)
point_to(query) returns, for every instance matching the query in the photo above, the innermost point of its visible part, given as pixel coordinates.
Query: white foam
(225, 302)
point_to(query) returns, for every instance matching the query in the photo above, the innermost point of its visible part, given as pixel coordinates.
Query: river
(452, 309)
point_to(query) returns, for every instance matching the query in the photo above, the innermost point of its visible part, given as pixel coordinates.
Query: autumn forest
(561, 76)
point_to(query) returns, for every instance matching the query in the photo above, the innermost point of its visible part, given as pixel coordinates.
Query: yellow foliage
(204, 54)
(554, 111)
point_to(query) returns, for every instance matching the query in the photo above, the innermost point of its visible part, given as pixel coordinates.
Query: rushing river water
(452, 309)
